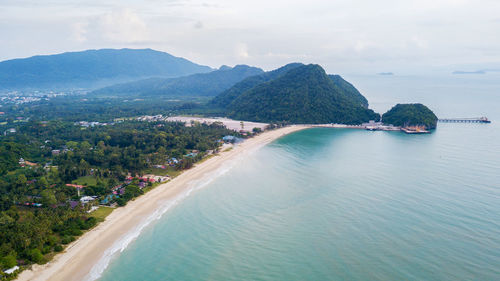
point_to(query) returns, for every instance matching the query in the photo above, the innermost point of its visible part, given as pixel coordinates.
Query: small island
(412, 118)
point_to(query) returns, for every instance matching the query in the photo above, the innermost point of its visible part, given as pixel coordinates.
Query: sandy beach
(78, 260)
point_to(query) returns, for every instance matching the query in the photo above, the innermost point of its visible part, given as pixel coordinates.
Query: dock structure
(465, 120)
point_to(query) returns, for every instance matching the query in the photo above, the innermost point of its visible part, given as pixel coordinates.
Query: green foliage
(58, 248)
(349, 90)
(226, 97)
(35, 255)
(48, 197)
(410, 115)
(8, 261)
(98, 157)
(304, 94)
(201, 84)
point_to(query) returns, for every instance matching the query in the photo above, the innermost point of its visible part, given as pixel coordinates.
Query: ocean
(345, 204)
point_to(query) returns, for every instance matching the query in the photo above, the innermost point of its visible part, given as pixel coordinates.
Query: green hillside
(349, 89)
(304, 94)
(201, 84)
(226, 97)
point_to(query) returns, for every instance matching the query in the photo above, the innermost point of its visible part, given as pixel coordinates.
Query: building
(11, 270)
(87, 199)
(229, 138)
(77, 186)
(153, 178)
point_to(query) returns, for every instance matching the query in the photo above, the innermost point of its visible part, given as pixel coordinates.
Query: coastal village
(92, 203)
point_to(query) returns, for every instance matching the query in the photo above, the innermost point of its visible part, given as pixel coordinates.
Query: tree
(36, 256)
(21, 179)
(8, 261)
(48, 197)
(43, 183)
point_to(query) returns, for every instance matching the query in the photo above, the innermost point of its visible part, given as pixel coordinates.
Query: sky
(344, 36)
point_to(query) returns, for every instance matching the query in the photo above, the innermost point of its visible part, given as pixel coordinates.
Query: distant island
(385, 73)
(411, 115)
(469, 72)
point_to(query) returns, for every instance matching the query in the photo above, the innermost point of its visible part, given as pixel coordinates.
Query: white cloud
(123, 25)
(342, 35)
(241, 51)
(80, 31)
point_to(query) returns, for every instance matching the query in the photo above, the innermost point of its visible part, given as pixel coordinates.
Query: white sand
(80, 257)
(229, 123)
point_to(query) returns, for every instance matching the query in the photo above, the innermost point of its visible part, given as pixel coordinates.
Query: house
(192, 154)
(87, 199)
(93, 208)
(75, 185)
(33, 204)
(31, 164)
(173, 160)
(154, 178)
(56, 152)
(11, 270)
(229, 138)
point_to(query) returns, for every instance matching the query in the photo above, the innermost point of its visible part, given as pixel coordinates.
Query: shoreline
(100, 244)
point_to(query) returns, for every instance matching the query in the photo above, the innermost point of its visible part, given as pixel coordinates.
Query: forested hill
(349, 89)
(410, 115)
(202, 84)
(226, 97)
(92, 68)
(303, 94)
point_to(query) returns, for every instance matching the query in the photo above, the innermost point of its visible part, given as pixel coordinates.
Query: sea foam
(122, 243)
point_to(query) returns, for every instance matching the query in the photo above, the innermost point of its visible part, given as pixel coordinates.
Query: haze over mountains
(93, 68)
(294, 93)
(201, 84)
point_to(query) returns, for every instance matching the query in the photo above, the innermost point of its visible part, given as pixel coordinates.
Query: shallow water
(340, 204)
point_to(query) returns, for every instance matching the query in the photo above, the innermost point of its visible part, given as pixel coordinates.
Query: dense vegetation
(349, 90)
(85, 108)
(201, 84)
(410, 115)
(225, 98)
(303, 94)
(93, 67)
(98, 157)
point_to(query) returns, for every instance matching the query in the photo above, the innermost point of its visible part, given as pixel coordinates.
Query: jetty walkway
(465, 120)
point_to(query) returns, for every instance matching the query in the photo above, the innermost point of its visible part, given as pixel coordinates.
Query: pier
(465, 120)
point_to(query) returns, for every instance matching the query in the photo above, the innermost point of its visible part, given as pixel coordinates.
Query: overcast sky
(345, 36)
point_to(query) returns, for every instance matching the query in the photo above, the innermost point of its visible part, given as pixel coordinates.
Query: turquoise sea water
(340, 204)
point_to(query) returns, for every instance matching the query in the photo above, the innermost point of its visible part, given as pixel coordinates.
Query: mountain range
(93, 68)
(201, 84)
